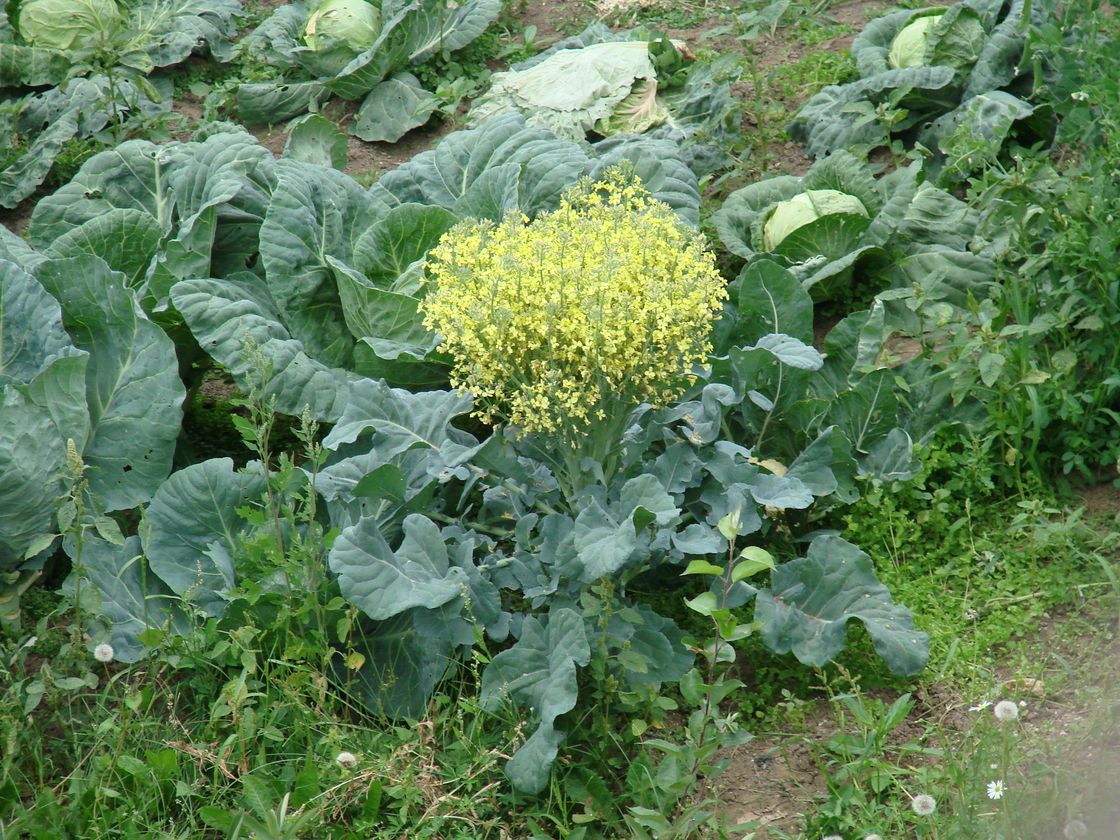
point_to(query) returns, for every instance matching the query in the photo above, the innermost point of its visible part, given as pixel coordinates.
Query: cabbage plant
(838, 225)
(601, 83)
(361, 51)
(84, 68)
(940, 74)
(306, 287)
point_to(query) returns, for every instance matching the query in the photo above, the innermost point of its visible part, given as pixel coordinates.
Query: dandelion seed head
(104, 652)
(923, 804)
(1075, 829)
(995, 789)
(1006, 710)
(346, 760)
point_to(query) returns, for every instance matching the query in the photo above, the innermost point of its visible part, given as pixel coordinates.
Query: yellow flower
(578, 315)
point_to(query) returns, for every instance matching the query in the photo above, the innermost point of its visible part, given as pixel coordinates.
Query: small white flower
(995, 789)
(833, 837)
(1079, 96)
(981, 706)
(1006, 710)
(346, 759)
(971, 615)
(1075, 829)
(923, 804)
(872, 837)
(104, 652)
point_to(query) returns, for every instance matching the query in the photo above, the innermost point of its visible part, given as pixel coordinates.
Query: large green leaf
(829, 121)
(134, 176)
(224, 314)
(393, 108)
(538, 672)
(170, 30)
(126, 240)
(441, 176)
(132, 382)
(399, 420)
(192, 529)
(393, 244)
(383, 582)
(32, 462)
(270, 103)
(31, 330)
(132, 600)
(20, 178)
(403, 664)
(315, 139)
(315, 213)
(812, 599)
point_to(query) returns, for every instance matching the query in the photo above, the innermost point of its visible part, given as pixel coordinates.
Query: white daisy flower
(1006, 710)
(981, 706)
(104, 652)
(923, 804)
(995, 789)
(346, 759)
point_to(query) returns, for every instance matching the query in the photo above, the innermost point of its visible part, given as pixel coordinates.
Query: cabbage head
(910, 45)
(66, 24)
(354, 22)
(806, 207)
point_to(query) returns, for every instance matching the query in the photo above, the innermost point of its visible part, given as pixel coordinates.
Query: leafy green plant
(839, 226)
(373, 66)
(96, 59)
(601, 83)
(949, 75)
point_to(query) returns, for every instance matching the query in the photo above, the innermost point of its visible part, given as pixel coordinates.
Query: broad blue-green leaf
(650, 641)
(20, 178)
(193, 529)
(790, 351)
(644, 500)
(132, 381)
(812, 599)
(699, 539)
(32, 461)
(133, 599)
(827, 122)
(891, 458)
(772, 301)
(134, 175)
(387, 249)
(402, 666)
(393, 108)
(538, 672)
(223, 313)
(603, 543)
(826, 466)
(170, 30)
(126, 240)
(31, 331)
(383, 582)
(400, 420)
(315, 213)
(780, 491)
(444, 175)
(270, 103)
(315, 139)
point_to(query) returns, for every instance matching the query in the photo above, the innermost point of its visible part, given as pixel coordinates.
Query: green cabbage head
(66, 24)
(788, 216)
(908, 49)
(354, 22)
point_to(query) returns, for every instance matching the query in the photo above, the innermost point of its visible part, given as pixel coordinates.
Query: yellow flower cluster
(578, 315)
